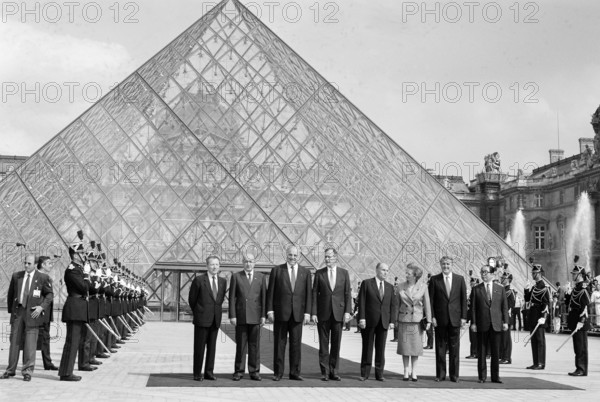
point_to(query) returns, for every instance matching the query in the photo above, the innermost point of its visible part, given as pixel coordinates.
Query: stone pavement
(163, 347)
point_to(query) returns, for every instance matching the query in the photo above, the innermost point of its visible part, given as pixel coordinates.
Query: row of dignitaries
(288, 301)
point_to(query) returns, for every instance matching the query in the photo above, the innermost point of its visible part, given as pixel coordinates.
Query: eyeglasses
(485, 272)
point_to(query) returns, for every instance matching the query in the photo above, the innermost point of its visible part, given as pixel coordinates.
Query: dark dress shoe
(380, 379)
(504, 361)
(210, 377)
(120, 342)
(102, 356)
(113, 351)
(498, 381)
(70, 378)
(471, 357)
(454, 379)
(406, 379)
(296, 378)
(481, 381)
(428, 347)
(26, 377)
(87, 368)
(438, 379)
(255, 377)
(577, 373)
(115, 347)
(237, 377)
(335, 377)
(414, 379)
(539, 367)
(51, 367)
(197, 378)
(7, 375)
(324, 378)
(276, 378)
(363, 378)
(531, 367)
(394, 340)
(95, 362)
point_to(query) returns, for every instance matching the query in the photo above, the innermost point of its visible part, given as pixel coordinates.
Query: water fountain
(580, 232)
(516, 237)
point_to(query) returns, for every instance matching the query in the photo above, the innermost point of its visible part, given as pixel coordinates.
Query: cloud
(48, 79)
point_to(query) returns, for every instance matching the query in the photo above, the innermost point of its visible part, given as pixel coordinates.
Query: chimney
(585, 141)
(556, 155)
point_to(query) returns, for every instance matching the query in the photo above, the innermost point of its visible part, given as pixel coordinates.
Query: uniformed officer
(87, 344)
(578, 321)
(75, 309)
(538, 298)
(506, 343)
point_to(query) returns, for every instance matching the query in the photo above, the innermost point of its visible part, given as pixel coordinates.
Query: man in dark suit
(376, 313)
(489, 318)
(207, 293)
(45, 265)
(289, 299)
(29, 296)
(75, 309)
(247, 312)
(448, 296)
(331, 304)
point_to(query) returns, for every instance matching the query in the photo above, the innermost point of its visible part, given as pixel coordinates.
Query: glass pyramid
(226, 142)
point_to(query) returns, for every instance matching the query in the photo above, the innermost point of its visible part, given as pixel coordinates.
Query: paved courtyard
(162, 347)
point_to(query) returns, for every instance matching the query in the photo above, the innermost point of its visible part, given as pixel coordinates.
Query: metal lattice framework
(227, 141)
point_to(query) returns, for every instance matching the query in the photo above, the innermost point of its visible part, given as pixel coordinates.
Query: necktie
(331, 279)
(293, 278)
(249, 278)
(489, 294)
(25, 293)
(447, 277)
(214, 287)
(381, 290)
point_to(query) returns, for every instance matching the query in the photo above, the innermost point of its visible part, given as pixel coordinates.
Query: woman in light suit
(413, 302)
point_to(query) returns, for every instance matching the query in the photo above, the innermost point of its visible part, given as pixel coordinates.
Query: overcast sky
(381, 54)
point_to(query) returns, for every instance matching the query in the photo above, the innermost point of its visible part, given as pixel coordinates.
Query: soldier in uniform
(75, 309)
(87, 344)
(578, 321)
(538, 299)
(506, 343)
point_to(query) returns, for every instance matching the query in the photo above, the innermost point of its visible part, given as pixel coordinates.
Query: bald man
(247, 312)
(377, 310)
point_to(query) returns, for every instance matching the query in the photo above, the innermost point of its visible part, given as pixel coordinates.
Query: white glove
(579, 326)
(542, 321)
(86, 268)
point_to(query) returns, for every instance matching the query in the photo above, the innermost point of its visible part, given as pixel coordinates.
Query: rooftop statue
(492, 163)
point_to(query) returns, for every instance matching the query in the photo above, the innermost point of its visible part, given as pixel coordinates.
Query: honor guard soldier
(578, 321)
(75, 309)
(538, 299)
(506, 344)
(88, 342)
